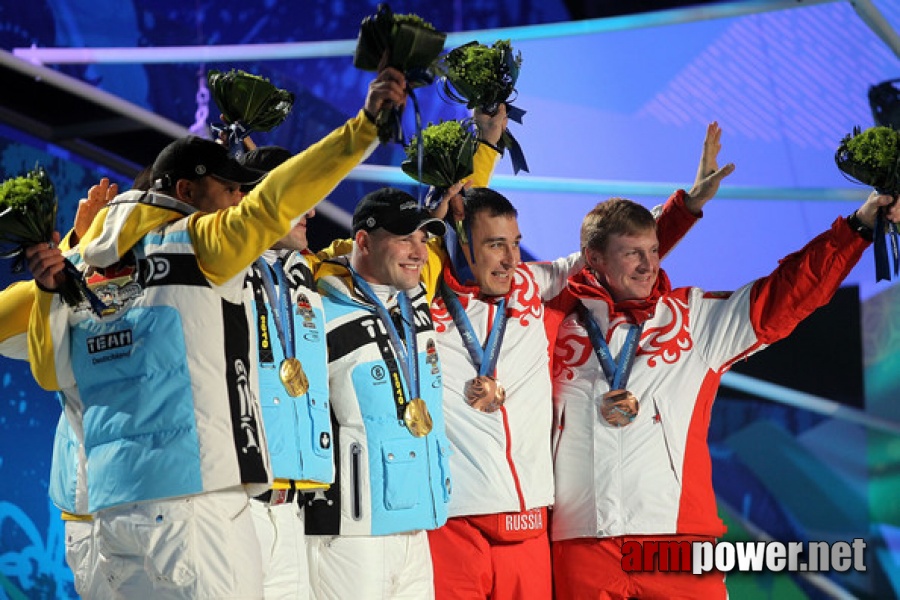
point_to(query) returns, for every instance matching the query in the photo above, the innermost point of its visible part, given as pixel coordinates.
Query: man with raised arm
(637, 367)
(158, 380)
(497, 394)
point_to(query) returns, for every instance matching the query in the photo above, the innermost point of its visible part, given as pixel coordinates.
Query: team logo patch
(115, 285)
(109, 341)
(431, 356)
(304, 309)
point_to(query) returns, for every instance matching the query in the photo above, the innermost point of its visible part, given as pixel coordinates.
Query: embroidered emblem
(572, 350)
(440, 316)
(668, 341)
(525, 298)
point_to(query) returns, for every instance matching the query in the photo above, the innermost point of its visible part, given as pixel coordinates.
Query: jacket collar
(585, 285)
(470, 288)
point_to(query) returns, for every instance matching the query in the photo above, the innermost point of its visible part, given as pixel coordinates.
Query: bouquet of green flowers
(404, 42)
(484, 77)
(872, 157)
(28, 206)
(440, 156)
(248, 103)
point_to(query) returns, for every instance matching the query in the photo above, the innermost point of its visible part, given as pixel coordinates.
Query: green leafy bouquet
(248, 103)
(483, 77)
(872, 157)
(404, 42)
(440, 156)
(28, 207)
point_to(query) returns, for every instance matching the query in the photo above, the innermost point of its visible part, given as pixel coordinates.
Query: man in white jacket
(497, 394)
(171, 428)
(637, 366)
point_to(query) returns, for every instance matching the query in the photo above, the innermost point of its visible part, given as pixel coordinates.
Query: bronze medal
(484, 393)
(619, 407)
(292, 376)
(417, 418)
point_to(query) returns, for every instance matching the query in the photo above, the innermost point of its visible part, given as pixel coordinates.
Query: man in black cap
(200, 173)
(286, 313)
(157, 372)
(392, 481)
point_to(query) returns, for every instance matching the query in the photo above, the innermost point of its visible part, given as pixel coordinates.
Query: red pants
(591, 568)
(469, 565)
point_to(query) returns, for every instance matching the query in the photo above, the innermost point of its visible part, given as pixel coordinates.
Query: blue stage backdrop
(625, 105)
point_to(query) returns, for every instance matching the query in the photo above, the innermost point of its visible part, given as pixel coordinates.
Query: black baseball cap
(265, 158)
(395, 211)
(193, 157)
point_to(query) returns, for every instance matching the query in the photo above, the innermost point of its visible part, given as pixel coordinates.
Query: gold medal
(484, 393)
(292, 376)
(416, 417)
(619, 407)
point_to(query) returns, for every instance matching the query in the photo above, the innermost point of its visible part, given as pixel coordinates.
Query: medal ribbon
(883, 231)
(407, 354)
(616, 374)
(280, 301)
(483, 357)
(264, 334)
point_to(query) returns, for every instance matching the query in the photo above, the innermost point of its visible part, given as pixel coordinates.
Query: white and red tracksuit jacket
(654, 476)
(501, 461)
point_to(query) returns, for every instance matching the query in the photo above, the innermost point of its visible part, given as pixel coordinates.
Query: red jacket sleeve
(804, 281)
(673, 223)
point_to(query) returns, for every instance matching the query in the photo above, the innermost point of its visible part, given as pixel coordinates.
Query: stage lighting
(884, 99)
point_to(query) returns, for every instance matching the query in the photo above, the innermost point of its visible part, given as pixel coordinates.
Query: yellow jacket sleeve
(434, 266)
(337, 248)
(68, 241)
(41, 354)
(228, 241)
(15, 309)
(485, 161)
(27, 310)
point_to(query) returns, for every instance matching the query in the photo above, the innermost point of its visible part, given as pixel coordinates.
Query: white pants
(371, 567)
(81, 556)
(199, 547)
(282, 541)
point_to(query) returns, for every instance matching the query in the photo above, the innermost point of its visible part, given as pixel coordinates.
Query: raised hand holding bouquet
(484, 77)
(248, 103)
(441, 155)
(405, 42)
(28, 207)
(872, 157)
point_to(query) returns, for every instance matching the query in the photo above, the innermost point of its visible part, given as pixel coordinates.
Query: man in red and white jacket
(638, 467)
(501, 463)
(497, 396)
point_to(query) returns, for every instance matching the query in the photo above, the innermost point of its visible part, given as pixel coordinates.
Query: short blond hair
(616, 216)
